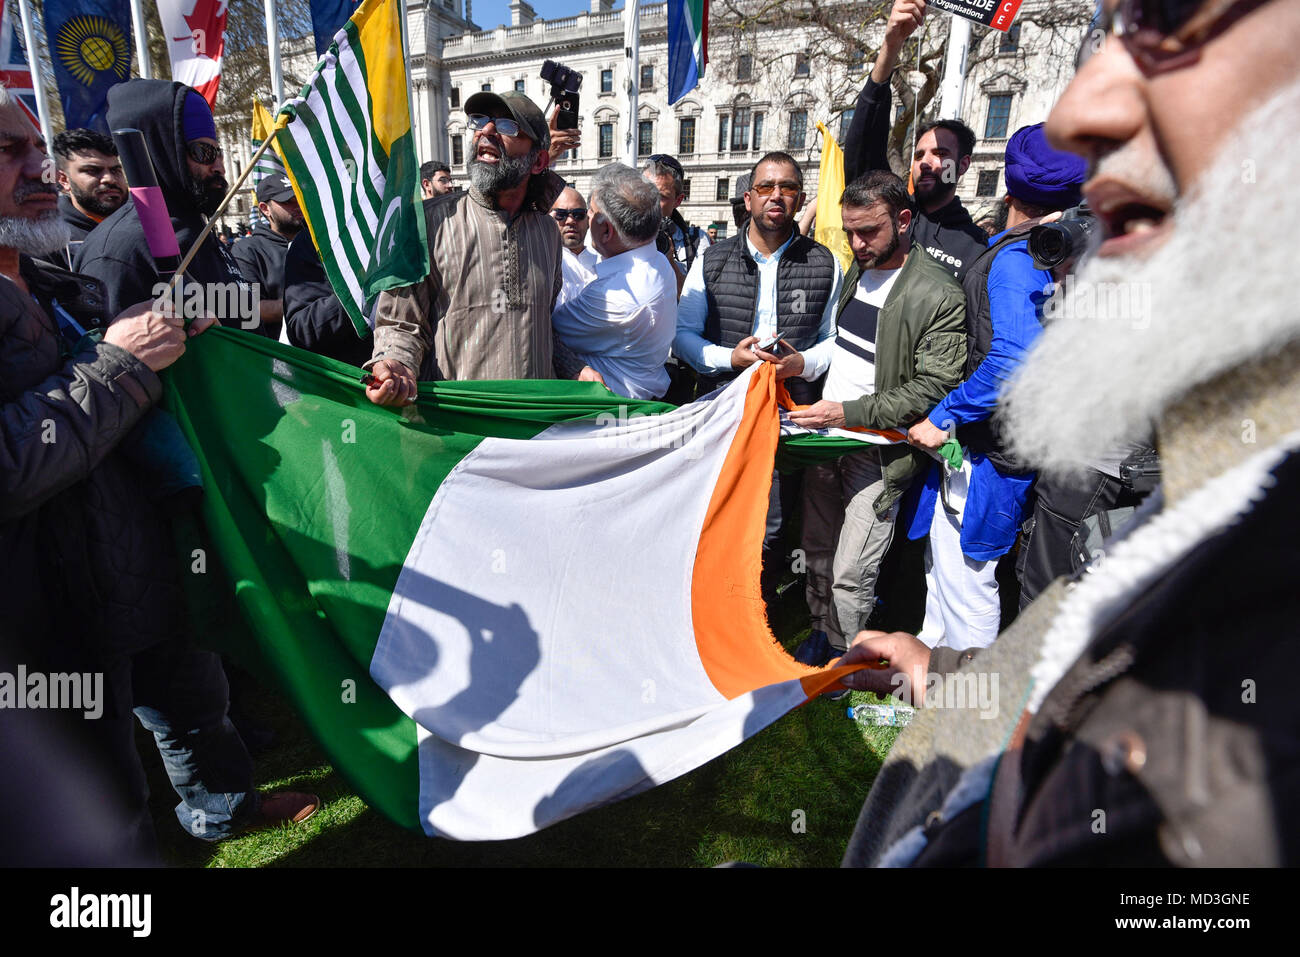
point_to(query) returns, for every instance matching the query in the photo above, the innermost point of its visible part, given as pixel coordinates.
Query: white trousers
(962, 609)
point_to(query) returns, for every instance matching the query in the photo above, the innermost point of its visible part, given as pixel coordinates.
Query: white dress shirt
(711, 358)
(622, 323)
(578, 270)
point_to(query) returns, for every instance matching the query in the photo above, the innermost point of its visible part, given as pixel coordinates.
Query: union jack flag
(14, 71)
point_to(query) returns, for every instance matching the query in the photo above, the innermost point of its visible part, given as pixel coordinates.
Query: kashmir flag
(350, 154)
(196, 40)
(269, 163)
(688, 46)
(504, 605)
(829, 228)
(15, 73)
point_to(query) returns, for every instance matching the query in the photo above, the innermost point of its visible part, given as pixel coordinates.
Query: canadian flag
(196, 39)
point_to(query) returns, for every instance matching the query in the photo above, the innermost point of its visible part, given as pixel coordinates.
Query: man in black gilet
(766, 281)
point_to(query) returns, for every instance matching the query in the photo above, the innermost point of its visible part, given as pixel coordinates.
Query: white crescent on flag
(196, 40)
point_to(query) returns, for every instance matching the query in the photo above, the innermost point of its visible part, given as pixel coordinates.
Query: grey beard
(35, 237)
(507, 173)
(1128, 337)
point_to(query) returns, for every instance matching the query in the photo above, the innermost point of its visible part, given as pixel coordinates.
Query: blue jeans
(180, 694)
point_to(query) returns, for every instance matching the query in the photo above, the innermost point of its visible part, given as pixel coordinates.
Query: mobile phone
(767, 345)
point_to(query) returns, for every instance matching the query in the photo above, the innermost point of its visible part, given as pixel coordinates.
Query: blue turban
(196, 118)
(1038, 174)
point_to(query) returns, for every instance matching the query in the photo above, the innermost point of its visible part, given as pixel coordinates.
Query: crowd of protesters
(923, 334)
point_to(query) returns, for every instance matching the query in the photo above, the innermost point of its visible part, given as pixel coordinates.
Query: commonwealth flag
(90, 44)
(350, 154)
(510, 603)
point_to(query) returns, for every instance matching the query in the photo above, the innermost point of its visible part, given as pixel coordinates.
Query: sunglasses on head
(1162, 34)
(578, 215)
(205, 154)
(669, 161)
(504, 125)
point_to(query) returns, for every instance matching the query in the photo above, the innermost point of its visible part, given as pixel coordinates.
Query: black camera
(1051, 244)
(564, 91)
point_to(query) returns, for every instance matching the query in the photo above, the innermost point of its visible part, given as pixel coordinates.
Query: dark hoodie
(116, 252)
(948, 234)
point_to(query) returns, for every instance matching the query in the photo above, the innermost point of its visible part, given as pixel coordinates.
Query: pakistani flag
(351, 157)
(508, 603)
(688, 46)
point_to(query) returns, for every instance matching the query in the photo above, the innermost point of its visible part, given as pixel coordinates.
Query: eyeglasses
(1162, 35)
(665, 160)
(787, 189)
(577, 215)
(505, 126)
(205, 154)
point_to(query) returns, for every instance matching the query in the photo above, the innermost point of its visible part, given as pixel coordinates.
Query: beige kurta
(484, 311)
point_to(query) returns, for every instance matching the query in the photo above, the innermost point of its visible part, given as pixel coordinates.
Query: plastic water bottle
(887, 715)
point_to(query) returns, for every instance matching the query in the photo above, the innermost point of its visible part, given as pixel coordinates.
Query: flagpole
(212, 220)
(141, 40)
(273, 45)
(34, 64)
(632, 53)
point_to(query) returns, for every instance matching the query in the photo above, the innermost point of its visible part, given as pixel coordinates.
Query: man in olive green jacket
(900, 344)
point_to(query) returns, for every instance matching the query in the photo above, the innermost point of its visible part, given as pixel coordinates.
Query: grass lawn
(787, 797)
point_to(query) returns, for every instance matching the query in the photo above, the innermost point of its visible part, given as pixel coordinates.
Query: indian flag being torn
(509, 603)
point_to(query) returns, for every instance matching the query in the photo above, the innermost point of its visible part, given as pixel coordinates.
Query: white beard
(35, 237)
(1221, 290)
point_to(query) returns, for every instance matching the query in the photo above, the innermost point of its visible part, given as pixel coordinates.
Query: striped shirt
(853, 362)
(484, 311)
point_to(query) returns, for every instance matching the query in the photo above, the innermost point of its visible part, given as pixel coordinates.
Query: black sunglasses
(205, 154)
(561, 215)
(1162, 34)
(668, 161)
(505, 126)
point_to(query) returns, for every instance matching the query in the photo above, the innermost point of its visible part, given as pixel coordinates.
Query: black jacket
(79, 224)
(116, 252)
(948, 234)
(261, 259)
(314, 317)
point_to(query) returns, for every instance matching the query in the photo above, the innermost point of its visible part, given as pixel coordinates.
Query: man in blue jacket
(973, 514)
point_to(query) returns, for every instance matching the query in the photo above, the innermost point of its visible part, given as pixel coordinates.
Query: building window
(988, 182)
(745, 67)
(721, 194)
(645, 138)
(519, 86)
(846, 120)
(455, 97)
(798, 130)
(801, 65)
(722, 133)
(606, 136)
(995, 127)
(457, 150)
(686, 136)
(606, 81)
(648, 76)
(857, 60)
(758, 132)
(686, 190)
(740, 129)
(1010, 41)
(486, 88)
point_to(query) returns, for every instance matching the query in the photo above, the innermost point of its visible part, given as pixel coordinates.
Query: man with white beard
(1158, 723)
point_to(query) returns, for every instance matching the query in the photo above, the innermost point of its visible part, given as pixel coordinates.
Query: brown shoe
(284, 807)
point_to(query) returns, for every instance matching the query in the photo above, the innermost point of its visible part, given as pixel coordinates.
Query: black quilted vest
(805, 277)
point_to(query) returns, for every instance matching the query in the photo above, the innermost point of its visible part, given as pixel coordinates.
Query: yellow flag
(269, 163)
(829, 230)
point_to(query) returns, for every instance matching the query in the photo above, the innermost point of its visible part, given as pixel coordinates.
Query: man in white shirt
(768, 280)
(622, 322)
(578, 264)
